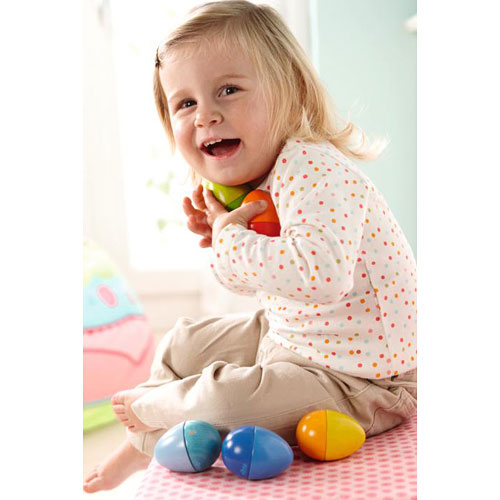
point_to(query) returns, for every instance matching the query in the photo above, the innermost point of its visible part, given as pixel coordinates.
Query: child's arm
(218, 217)
(322, 209)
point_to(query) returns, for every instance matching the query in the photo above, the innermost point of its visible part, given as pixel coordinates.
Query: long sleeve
(321, 205)
(232, 285)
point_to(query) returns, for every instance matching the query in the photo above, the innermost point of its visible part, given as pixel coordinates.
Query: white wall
(367, 58)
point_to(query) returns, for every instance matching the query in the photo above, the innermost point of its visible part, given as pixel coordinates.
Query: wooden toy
(329, 435)
(229, 196)
(191, 446)
(267, 222)
(232, 197)
(253, 452)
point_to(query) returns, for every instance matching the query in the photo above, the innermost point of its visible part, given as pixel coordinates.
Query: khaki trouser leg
(272, 387)
(192, 345)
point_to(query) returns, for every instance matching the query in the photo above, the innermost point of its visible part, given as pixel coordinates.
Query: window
(154, 181)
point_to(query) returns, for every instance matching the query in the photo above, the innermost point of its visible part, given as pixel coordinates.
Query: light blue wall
(367, 60)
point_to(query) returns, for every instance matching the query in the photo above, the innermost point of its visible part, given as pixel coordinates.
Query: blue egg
(203, 443)
(253, 452)
(191, 446)
(237, 450)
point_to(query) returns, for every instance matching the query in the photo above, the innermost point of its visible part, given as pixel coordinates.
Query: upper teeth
(209, 143)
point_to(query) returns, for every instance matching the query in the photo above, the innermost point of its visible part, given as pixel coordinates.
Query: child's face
(215, 94)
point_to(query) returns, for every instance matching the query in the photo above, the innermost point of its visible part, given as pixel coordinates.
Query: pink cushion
(116, 356)
(384, 468)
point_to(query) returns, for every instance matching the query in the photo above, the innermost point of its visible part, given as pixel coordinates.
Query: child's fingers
(213, 206)
(187, 206)
(199, 226)
(190, 210)
(248, 211)
(198, 198)
(206, 242)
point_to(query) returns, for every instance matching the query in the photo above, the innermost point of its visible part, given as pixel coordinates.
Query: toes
(118, 398)
(93, 485)
(118, 409)
(93, 482)
(91, 476)
(87, 487)
(123, 419)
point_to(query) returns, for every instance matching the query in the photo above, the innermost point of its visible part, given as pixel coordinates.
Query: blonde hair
(299, 105)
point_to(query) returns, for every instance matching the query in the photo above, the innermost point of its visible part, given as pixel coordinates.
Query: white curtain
(103, 195)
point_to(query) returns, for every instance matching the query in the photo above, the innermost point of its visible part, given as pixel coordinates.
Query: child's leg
(275, 394)
(184, 351)
(192, 345)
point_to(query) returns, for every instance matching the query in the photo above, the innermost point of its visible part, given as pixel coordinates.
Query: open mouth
(221, 148)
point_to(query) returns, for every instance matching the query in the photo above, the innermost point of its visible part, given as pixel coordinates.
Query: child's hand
(197, 217)
(218, 217)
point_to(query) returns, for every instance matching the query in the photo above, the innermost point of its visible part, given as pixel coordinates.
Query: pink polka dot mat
(384, 468)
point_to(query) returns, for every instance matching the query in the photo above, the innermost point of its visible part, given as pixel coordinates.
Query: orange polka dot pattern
(339, 284)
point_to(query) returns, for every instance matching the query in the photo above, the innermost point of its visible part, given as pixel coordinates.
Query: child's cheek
(180, 133)
(256, 115)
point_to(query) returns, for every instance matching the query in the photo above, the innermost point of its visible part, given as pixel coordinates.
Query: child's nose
(207, 118)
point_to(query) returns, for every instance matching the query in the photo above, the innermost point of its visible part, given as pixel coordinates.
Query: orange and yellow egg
(329, 435)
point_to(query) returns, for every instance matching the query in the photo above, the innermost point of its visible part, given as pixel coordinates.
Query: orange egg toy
(329, 435)
(267, 222)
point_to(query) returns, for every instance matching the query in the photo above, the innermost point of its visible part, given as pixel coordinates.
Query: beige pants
(225, 371)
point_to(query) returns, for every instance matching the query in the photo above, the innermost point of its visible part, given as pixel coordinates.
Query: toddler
(337, 328)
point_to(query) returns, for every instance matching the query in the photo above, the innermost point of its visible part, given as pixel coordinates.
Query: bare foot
(116, 468)
(122, 403)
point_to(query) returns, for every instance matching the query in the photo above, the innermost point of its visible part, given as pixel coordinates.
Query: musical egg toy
(329, 435)
(267, 222)
(190, 446)
(233, 197)
(252, 452)
(230, 196)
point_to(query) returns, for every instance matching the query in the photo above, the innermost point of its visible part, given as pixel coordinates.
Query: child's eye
(229, 89)
(187, 104)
